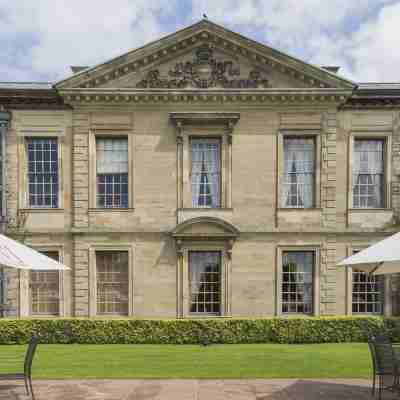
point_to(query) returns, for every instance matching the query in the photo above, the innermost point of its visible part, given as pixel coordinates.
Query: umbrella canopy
(380, 258)
(16, 255)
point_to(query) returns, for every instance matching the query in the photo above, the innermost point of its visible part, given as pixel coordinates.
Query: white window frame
(60, 289)
(387, 299)
(316, 277)
(27, 139)
(305, 133)
(205, 140)
(183, 277)
(185, 166)
(3, 133)
(24, 281)
(387, 138)
(104, 134)
(93, 277)
(23, 174)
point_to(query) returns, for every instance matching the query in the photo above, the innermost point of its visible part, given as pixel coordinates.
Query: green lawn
(350, 360)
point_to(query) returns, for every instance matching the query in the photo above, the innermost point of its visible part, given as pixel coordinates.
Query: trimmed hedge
(197, 331)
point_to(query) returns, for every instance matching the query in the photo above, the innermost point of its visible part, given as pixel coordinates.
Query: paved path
(192, 389)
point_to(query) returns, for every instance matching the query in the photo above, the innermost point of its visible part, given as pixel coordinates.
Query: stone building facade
(203, 174)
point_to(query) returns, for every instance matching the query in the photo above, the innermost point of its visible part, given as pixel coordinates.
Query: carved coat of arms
(203, 72)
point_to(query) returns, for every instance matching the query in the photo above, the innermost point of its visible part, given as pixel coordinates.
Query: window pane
(2, 158)
(112, 282)
(205, 282)
(42, 154)
(298, 181)
(297, 268)
(3, 286)
(368, 173)
(206, 172)
(112, 172)
(367, 295)
(45, 289)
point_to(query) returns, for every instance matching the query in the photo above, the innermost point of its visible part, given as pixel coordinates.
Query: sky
(40, 39)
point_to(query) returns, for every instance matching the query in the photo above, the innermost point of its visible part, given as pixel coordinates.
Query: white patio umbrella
(16, 255)
(378, 259)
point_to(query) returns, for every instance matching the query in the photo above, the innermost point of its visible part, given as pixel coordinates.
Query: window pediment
(228, 119)
(205, 227)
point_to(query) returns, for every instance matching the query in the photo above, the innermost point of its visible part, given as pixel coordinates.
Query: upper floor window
(297, 282)
(3, 126)
(43, 172)
(112, 172)
(369, 173)
(206, 172)
(298, 182)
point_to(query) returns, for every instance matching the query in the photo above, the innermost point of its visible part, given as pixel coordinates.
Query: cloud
(64, 33)
(39, 40)
(353, 34)
(374, 50)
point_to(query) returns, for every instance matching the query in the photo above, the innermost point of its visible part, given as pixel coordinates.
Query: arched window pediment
(205, 228)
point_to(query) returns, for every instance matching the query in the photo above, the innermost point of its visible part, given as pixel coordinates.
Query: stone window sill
(209, 316)
(101, 210)
(300, 209)
(201, 209)
(40, 210)
(363, 210)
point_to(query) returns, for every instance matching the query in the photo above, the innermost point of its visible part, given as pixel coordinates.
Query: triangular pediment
(205, 56)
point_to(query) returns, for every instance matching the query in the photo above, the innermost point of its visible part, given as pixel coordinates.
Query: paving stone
(193, 389)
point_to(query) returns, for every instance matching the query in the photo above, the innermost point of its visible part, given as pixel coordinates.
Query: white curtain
(301, 263)
(196, 173)
(214, 162)
(206, 158)
(298, 178)
(199, 261)
(305, 262)
(368, 162)
(112, 155)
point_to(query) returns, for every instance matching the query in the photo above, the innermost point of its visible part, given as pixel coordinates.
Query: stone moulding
(204, 72)
(229, 119)
(154, 96)
(218, 229)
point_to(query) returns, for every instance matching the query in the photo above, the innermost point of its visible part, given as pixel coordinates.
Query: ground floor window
(45, 289)
(367, 293)
(205, 282)
(3, 286)
(112, 273)
(297, 282)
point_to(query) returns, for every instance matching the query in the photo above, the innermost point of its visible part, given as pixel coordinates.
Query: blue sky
(40, 39)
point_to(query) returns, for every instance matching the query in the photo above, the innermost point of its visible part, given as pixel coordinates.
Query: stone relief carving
(204, 72)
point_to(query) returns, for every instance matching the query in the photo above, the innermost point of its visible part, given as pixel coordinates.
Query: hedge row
(191, 331)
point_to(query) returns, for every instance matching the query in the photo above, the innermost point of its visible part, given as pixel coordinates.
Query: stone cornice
(374, 104)
(230, 119)
(31, 99)
(240, 96)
